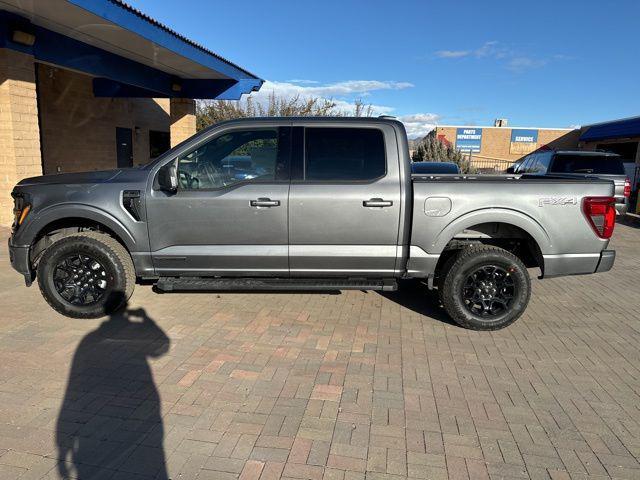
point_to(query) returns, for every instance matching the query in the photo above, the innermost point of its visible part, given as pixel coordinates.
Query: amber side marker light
(23, 214)
(600, 212)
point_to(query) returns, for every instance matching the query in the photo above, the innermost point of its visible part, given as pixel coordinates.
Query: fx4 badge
(557, 201)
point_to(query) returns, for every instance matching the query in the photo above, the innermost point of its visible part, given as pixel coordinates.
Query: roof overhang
(623, 128)
(130, 53)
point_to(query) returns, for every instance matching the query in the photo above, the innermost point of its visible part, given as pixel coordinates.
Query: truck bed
(547, 209)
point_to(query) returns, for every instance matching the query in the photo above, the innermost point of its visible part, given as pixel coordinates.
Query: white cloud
(521, 64)
(488, 49)
(511, 60)
(303, 81)
(419, 124)
(491, 49)
(343, 94)
(309, 88)
(453, 53)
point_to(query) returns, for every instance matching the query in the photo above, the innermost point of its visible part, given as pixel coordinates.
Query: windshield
(587, 164)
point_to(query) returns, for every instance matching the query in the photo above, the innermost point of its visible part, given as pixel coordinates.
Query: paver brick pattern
(325, 386)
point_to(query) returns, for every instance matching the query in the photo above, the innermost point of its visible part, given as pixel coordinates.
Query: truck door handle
(377, 202)
(265, 202)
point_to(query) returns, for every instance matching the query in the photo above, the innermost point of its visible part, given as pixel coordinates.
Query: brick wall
(496, 142)
(19, 134)
(79, 130)
(183, 119)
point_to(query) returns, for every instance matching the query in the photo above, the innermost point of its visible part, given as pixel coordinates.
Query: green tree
(432, 149)
(209, 112)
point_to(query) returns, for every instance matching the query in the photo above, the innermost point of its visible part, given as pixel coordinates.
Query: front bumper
(19, 258)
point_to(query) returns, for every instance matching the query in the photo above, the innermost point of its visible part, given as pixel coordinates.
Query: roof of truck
(586, 153)
(380, 120)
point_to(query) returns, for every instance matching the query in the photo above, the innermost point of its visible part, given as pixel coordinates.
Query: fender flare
(80, 211)
(493, 215)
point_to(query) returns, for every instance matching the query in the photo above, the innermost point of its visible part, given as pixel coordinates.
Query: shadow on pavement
(629, 220)
(110, 417)
(417, 297)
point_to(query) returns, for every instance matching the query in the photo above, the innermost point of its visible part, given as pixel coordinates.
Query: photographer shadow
(110, 418)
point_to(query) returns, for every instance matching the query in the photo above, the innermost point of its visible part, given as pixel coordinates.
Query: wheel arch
(499, 227)
(58, 222)
(76, 215)
(492, 216)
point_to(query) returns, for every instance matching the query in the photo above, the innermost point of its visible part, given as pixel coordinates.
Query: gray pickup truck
(305, 204)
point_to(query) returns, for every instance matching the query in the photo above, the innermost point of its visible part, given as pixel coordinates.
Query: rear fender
(492, 215)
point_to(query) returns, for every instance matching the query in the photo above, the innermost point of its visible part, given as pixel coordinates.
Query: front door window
(232, 158)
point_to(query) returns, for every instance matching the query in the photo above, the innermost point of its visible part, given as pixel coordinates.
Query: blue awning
(128, 52)
(624, 128)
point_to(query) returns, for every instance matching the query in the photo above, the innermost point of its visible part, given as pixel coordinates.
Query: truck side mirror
(168, 177)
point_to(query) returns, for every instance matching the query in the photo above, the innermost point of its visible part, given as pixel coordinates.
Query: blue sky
(543, 63)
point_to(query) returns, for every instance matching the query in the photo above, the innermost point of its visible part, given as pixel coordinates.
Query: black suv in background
(580, 163)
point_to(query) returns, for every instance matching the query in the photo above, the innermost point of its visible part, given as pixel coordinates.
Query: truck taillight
(627, 187)
(600, 212)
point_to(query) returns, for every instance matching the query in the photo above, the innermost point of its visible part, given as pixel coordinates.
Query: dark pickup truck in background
(305, 204)
(581, 164)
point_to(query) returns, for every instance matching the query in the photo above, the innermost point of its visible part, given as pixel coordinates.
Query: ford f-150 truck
(305, 204)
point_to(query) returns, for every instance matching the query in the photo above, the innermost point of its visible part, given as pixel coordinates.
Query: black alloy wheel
(86, 275)
(484, 287)
(489, 290)
(80, 279)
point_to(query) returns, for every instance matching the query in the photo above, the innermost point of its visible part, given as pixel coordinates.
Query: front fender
(26, 235)
(492, 215)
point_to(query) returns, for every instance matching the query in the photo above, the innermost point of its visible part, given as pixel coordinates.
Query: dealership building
(97, 84)
(499, 146)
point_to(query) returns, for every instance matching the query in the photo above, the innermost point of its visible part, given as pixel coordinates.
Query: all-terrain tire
(470, 260)
(112, 256)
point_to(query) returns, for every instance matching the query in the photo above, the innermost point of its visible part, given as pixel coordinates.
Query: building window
(159, 142)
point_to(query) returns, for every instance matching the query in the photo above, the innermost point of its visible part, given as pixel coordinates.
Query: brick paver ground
(348, 386)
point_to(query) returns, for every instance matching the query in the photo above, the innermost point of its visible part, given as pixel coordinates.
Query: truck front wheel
(86, 275)
(485, 288)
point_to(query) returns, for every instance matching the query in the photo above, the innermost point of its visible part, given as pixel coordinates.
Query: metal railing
(490, 165)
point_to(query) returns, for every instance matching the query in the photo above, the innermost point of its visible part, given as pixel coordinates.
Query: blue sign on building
(469, 139)
(524, 136)
(523, 141)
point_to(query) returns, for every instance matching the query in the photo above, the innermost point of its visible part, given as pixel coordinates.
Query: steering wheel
(213, 174)
(185, 179)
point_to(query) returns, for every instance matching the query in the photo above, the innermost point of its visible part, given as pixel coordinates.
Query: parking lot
(325, 386)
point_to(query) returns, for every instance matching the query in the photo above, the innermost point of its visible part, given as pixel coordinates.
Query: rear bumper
(19, 258)
(607, 258)
(578, 263)
(622, 208)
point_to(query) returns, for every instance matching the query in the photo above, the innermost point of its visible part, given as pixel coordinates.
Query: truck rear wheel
(485, 288)
(86, 275)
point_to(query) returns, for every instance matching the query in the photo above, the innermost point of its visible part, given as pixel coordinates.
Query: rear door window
(344, 154)
(587, 164)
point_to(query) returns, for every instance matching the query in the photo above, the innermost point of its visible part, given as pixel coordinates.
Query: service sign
(469, 139)
(523, 141)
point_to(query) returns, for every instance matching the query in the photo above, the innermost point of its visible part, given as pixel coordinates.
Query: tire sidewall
(522, 291)
(92, 248)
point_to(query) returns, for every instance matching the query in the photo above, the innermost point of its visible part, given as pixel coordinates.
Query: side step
(170, 284)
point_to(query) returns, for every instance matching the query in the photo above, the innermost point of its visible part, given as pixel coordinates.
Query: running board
(170, 284)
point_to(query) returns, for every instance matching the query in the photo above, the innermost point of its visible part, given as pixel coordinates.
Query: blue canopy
(129, 53)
